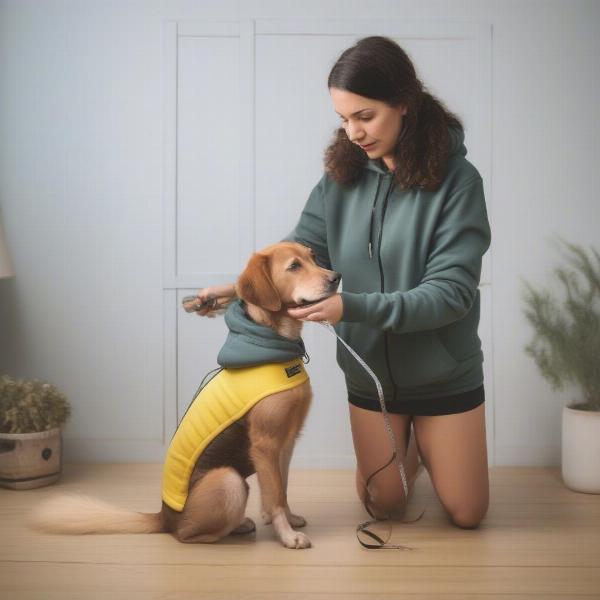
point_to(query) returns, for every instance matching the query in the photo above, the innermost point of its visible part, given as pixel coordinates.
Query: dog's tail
(74, 514)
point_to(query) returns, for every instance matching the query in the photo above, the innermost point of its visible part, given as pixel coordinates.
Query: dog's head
(285, 275)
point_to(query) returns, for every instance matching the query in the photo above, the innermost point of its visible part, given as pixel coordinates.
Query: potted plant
(32, 414)
(566, 348)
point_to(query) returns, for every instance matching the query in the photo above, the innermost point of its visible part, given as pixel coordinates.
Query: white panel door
(281, 115)
(209, 202)
(208, 161)
(295, 121)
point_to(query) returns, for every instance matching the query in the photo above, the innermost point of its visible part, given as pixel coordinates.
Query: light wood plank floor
(538, 540)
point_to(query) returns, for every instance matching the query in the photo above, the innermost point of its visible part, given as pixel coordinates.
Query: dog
(213, 501)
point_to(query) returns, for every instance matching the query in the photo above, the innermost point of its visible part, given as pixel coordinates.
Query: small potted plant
(32, 414)
(566, 348)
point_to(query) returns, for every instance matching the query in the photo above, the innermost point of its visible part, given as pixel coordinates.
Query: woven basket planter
(30, 460)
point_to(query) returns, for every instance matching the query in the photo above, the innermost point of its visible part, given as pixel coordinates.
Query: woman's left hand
(330, 309)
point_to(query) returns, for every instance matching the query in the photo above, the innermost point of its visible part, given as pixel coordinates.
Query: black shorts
(444, 405)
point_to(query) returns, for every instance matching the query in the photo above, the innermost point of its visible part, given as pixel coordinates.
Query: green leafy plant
(31, 406)
(566, 344)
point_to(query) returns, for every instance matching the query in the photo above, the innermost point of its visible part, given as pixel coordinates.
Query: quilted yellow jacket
(226, 398)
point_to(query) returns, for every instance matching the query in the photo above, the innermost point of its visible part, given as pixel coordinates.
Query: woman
(401, 214)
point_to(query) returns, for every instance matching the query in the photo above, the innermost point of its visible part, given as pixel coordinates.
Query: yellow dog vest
(224, 399)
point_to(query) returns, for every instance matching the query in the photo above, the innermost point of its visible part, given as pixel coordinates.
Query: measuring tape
(362, 527)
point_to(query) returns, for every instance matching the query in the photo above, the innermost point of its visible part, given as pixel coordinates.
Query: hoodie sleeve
(449, 286)
(311, 229)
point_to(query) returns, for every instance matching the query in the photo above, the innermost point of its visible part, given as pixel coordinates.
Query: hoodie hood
(457, 146)
(249, 344)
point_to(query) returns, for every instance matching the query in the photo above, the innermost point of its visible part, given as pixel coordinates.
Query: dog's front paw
(296, 520)
(295, 539)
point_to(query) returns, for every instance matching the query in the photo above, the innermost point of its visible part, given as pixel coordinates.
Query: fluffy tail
(81, 514)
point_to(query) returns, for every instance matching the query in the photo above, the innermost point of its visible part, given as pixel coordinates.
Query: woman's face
(372, 124)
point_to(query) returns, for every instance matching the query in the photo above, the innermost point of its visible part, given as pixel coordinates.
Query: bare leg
(455, 452)
(373, 450)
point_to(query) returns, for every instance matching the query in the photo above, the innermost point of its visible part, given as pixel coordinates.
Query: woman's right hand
(213, 300)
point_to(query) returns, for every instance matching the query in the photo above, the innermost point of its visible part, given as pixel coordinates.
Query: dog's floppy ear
(255, 285)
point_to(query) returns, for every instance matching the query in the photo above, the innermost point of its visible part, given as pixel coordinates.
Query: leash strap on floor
(362, 528)
(381, 544)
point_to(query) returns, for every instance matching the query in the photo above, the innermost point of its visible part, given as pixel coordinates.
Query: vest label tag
(293, 370)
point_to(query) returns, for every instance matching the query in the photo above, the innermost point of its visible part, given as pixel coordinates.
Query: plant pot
(581, 450)
(30, 460)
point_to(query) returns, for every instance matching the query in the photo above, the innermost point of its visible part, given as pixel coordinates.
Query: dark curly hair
(376, 67)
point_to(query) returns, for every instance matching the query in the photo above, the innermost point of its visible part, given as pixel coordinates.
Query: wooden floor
(539, 540)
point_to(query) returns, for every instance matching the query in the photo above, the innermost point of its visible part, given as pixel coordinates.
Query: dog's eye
(294, 266)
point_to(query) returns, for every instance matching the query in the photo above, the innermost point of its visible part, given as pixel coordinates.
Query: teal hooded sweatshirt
(410, 262)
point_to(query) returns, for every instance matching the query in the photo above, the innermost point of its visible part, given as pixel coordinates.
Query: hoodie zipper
(373, 218)
(385, 336)
(387, 197)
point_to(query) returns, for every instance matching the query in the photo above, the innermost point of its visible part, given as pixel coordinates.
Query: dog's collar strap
(305, 356)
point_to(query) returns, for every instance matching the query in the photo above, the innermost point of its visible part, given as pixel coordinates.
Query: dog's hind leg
(215, 507)
(246, 526)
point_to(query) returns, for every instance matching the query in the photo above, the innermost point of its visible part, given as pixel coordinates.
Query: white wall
(81, 193)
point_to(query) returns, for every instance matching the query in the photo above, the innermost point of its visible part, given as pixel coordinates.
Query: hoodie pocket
(419, 359)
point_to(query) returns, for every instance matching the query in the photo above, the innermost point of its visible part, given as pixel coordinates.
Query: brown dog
(276, 278)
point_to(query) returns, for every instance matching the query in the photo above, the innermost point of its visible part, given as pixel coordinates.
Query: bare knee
(392, 506)
(468, 518)
(383, 500)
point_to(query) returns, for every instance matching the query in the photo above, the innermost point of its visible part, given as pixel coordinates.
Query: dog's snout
(334, 279)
